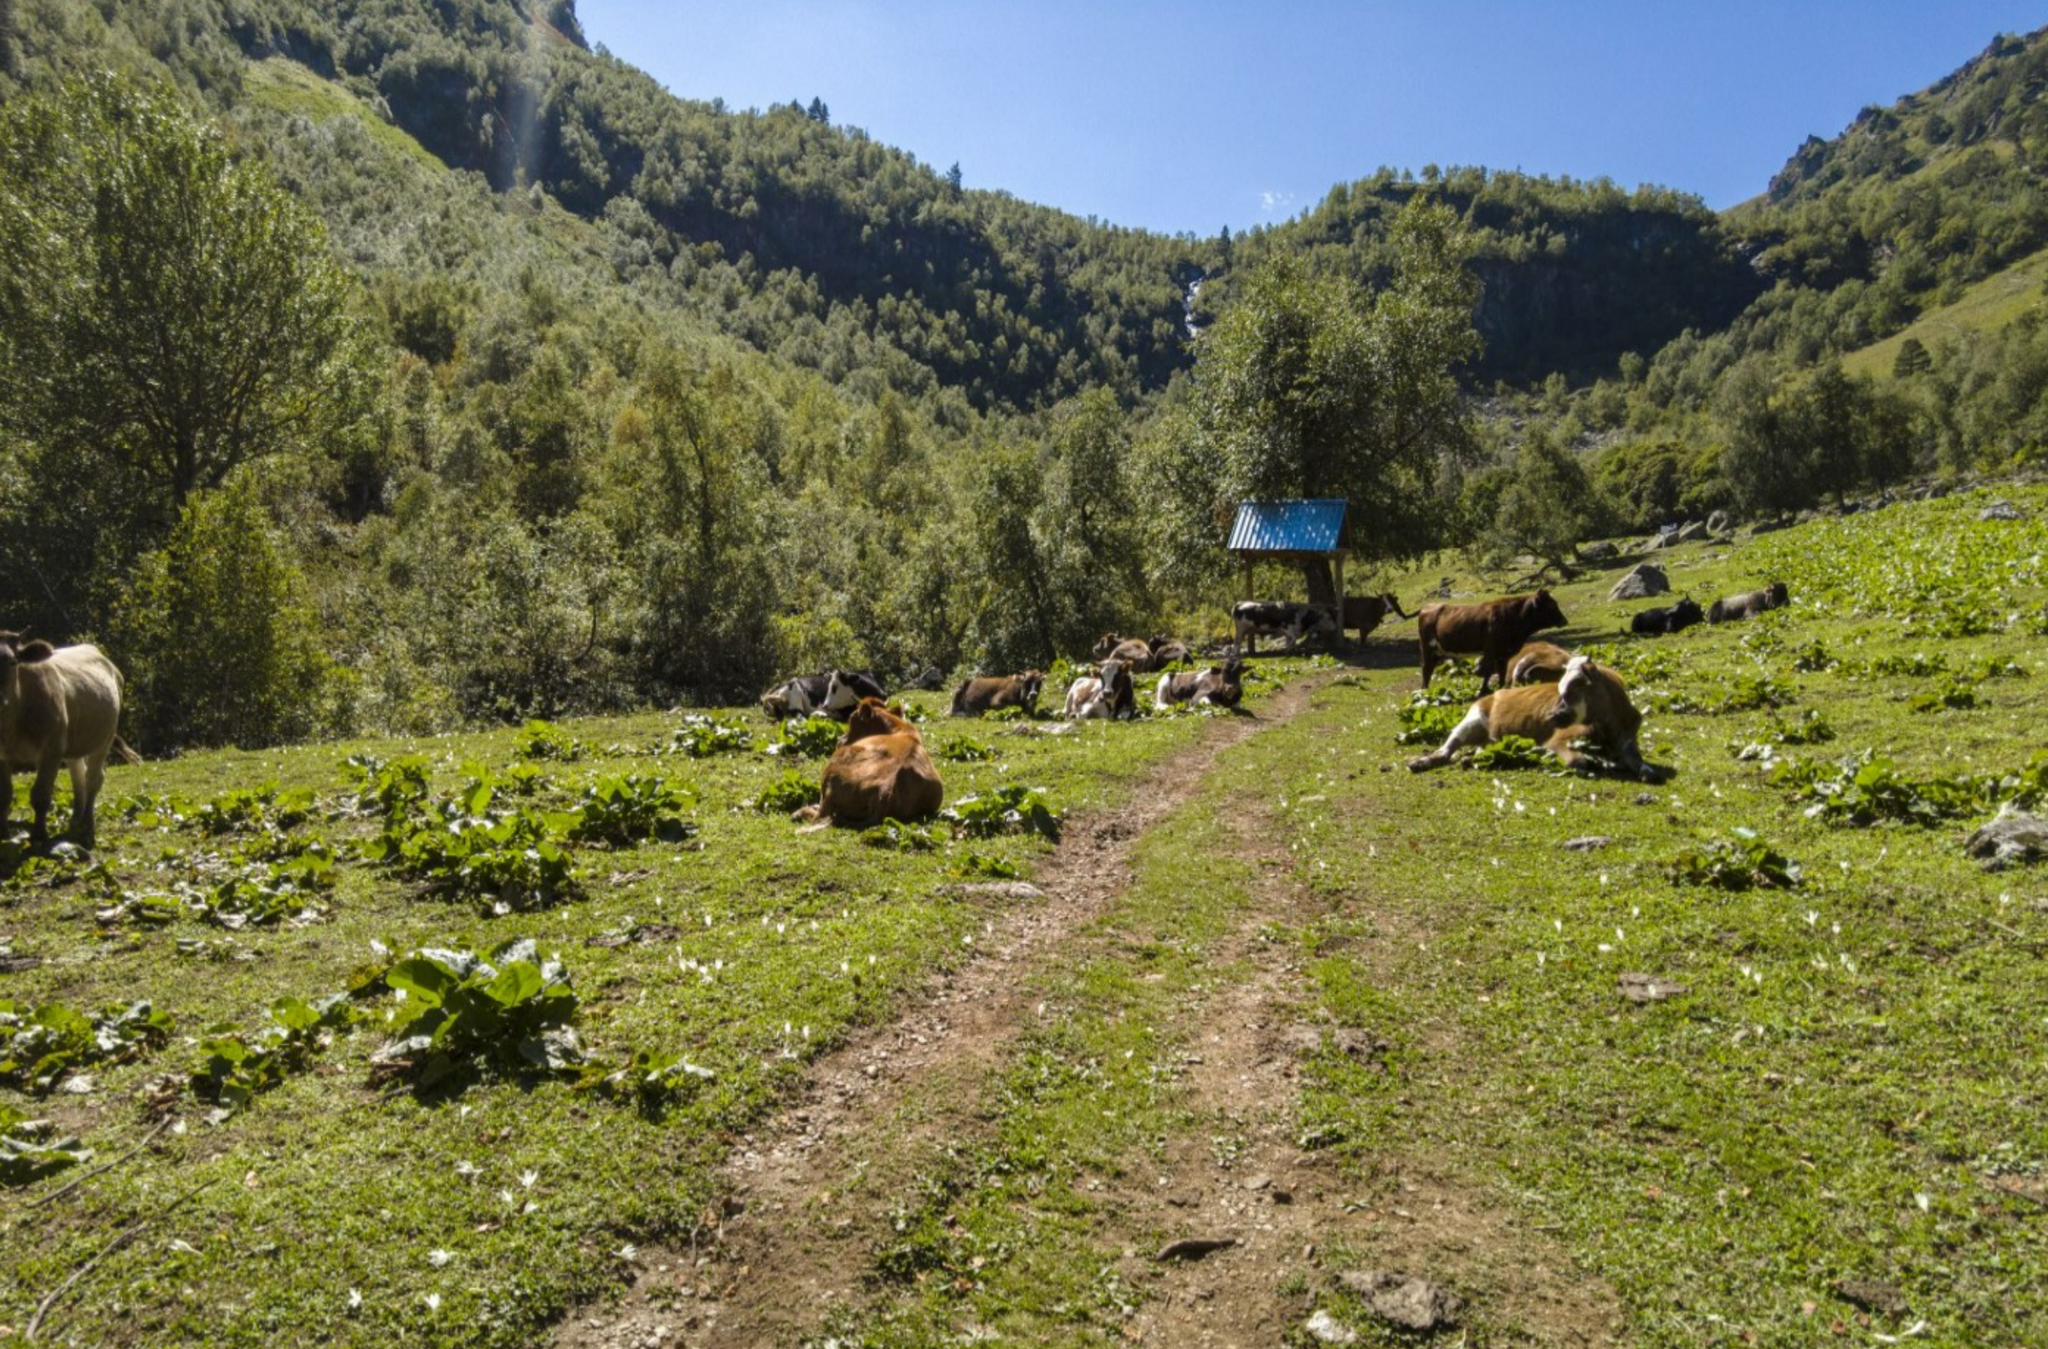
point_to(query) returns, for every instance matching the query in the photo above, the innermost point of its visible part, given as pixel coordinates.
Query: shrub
(701, 736)
(510, 1011)
(1511, 751)
(1742, 863)
(808, 737)
(545, 740)
(238, 1065)
(1953, 695)
(794, 790)
(1006, 810)
(40, 1047)
(25, 1156)
(218, 638)
(621, 811)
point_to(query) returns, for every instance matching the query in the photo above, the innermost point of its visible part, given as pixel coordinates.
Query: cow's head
(872, 716)
(1778, 595)
(1541, 611)
(1029, 684)
(839, 693)
(1115, 673)
(1573, 692)
(1685, 613)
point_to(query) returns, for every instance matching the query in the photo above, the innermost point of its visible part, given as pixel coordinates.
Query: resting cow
(1749, 604)
(1118, 690)
(1672, 618)
(1086, 697)
(1492, 631)
(1590, 703)
(1538, 663)
(57, 707)
(1218, 686)
(1367, 612)
(1286, 619)
(880, 771)
(978, 696)
(834, 692)
(1167, 651)
(1134, 652)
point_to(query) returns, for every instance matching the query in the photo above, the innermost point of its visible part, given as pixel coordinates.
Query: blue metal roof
(1289, 526)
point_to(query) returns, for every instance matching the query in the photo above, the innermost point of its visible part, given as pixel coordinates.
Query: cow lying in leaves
(1538, 663)
(880, 771)
(1669, 619)
(58, 708)
(1749, 604)
(834, 693)
(1588, 707)
(992, 693)
(1216, 686)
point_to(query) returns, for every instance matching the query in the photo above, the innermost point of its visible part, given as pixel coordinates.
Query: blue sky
(1191, 116)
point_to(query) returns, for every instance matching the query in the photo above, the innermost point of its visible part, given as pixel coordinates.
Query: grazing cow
(58, 706)
(1672, 618)
(977, 696)
(1367, 612)
(1254, 619)
(1749, 604)
(835, 692)
(1086, 697)
(1492, 631)
(1590, 703)
(1166, 651)
(1538, 663)
(880, 771)
(1118, 691)
(1219, 686)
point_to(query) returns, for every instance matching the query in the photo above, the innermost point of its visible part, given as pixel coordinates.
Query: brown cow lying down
(1749, 604)
(1366, 612)
(1086, 697)
(57, 707)
(1216, 685)
(1167, 650)
(1492, 631)
(879, 772)
(1134, 652)
(1590, 703)
(1538, 663)
(978, 696)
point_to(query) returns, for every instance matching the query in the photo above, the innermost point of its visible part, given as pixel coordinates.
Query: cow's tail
(1395, 605)
(123, 753)
(960, 700)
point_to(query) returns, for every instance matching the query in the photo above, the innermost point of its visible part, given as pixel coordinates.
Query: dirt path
(791, 1246)
(812, 1188)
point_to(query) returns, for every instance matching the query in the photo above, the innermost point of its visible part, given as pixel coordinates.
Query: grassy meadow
(1828, 1126)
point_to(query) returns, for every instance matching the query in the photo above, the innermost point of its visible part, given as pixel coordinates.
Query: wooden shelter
(1295, 532)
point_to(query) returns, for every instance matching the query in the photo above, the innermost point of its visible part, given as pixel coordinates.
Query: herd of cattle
(60, 706)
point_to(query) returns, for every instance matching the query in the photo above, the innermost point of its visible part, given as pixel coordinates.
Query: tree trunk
(1322, 587)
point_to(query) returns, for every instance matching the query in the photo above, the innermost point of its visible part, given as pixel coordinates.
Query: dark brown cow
(1367, 612)
(1218, 685)
(1492, 631)
(1749, 604)
(1538, 663)
(986, 694)
(879, 772)
(1166, 651)
(58, 708)
(1134, 652)
(1590, 704)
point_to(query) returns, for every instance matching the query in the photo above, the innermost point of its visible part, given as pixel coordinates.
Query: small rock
(2011, 838)
(1646, 798)
(1872, 1296)
(2001, 510)
(1324, 1328)
(1009, 890)
(1404, 1300)
(1648, 988)
(1194, 1248)
(1259, 1183)
(1587, 843)
(1640, 582)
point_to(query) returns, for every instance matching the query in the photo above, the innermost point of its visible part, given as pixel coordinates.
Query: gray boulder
(2012, 838)
(1600, 550)
(2001, 510)
(1404, 1300)
(1642, 581)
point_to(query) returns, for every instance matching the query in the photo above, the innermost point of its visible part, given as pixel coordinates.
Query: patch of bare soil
(799, 1226)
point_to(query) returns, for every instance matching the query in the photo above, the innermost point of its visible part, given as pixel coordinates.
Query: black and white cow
(1280, 618)
(835, 693)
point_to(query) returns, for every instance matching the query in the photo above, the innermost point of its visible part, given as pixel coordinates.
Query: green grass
(284, 86)
(504, 1196)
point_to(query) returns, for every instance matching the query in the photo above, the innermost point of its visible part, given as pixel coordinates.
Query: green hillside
(1986, 306)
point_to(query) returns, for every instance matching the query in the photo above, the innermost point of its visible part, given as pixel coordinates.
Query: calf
(880, 771)
(1672, 618)
(1218, 686)
(1749, 604)
(1286, 619)
(58, 707)
(1590, 703)
(1538, 663)
(978, 696)
(1492, 631)
(1366, 612)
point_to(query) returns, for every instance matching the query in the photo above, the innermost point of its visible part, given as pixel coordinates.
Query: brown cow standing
(1590, 703)
(879, 772)
(988, 693)
(58, 707)
(1538, 663)
(1367, 612)
(1493, 631)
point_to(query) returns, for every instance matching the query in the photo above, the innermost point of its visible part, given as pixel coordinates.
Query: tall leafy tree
(1306, 386)
(167, 311)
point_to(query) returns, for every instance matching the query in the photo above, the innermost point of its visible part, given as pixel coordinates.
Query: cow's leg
(1469, 732)
(87, 775)
(6, 795)
(43, 795)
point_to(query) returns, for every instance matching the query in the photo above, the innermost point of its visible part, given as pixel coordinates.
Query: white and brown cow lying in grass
(1218, 686)
(58, 708)
(880, 771)
(1589, 705)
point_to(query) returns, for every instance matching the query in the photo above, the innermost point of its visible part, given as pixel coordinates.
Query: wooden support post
(1340, 600)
